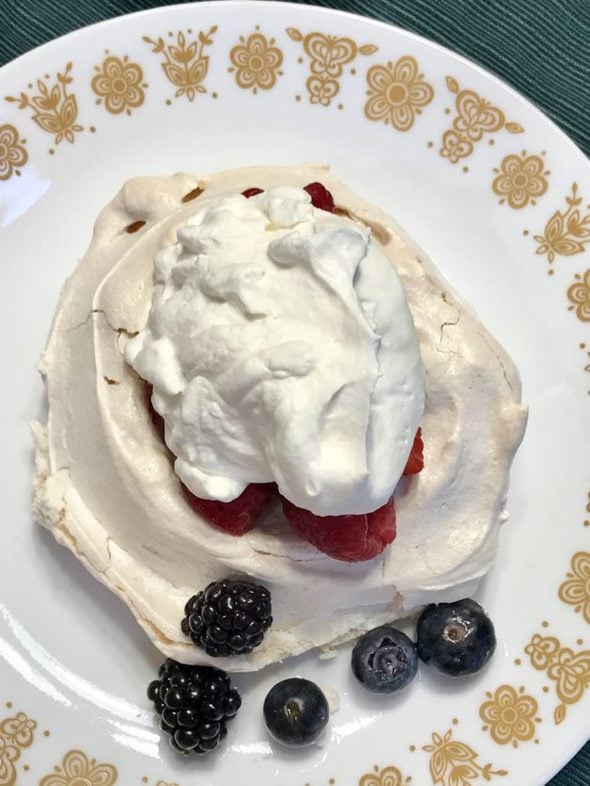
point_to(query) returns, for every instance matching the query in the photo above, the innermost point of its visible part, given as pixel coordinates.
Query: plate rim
(285, 4)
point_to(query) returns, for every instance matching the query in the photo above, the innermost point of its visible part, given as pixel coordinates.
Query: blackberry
(194, 703)
(228, 617)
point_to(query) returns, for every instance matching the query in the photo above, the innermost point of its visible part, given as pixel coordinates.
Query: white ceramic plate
(494, 192)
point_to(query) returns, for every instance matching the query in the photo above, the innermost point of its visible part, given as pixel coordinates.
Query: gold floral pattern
(8, 755)
(575, 590)
(566, 232)
(397, 93)
(568, 669)
(119, 84)
(389, 776)
(510, 715)
(256, 62)
(13, 153)
(579, 296)
(185, 64)
(475, 117)
(16, 733)
(453, 763)
(328, 55)
(520, 180)
(77, 769)
(54, 109)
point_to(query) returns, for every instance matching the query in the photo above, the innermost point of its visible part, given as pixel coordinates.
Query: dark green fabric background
(541, 47)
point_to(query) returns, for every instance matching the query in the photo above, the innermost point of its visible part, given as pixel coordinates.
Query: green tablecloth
(541, 47)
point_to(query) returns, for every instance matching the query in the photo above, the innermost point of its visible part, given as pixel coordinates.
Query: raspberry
(349, 538)
(416, 459)
(320, 196)
(239, 515)
(250, 192)
(228, 617)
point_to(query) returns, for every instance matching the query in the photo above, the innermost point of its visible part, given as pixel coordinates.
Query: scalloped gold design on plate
(77, 769)
(16, 734)
(256, 62)
(567, 231)
(475, 117)
(454, 763)
(520, 180)
(184, 62)
(54, 108)
(569, 670)
(575, 590)
(328, 55)
(510, 715)
(397, 93)
(13, 153)
(119, 85)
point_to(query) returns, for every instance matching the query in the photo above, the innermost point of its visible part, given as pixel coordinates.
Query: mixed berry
(229, 618)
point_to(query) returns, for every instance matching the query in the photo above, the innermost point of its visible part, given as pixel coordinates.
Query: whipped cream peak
(280, 347)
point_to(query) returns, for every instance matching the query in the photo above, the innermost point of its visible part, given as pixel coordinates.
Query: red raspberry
(250, 192)
(416, 460)
(348, 538)
(238, 516)
(320, 197)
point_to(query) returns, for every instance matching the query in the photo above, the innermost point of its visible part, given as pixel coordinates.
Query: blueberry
(296, 712)
(384, 660)
(456, 638)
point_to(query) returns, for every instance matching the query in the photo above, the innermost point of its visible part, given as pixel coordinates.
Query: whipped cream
(106, 485)
(280, 347)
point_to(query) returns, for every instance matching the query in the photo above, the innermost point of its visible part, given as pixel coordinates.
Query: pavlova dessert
(261, 393)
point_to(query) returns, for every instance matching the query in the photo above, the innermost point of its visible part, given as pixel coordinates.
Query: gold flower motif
(8, 755)
(77, 770)
(120, 84)
(475, 117)
(576, 589)
(257, 62)
(579, 296)
(397, 92)
(13, 153)
(55, 110)
(389, 776)
(568, 669)
(185, 64)
(453, 763)
(541, 650)
(15, 734)
(328, 55)
(510, 715)
(520, 180)
(18, 730)
(567, 231)
(571, 671)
